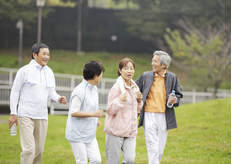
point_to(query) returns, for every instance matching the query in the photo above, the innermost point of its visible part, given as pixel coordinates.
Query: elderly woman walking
(83, 116)
(123, 108)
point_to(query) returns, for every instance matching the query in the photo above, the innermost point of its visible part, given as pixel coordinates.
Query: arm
(139, 100)
(178, 93)
(14, 96)
(140, 83)
(54, 96)
(114, 102)
(139, 106)
(81, 114)
(75, 110)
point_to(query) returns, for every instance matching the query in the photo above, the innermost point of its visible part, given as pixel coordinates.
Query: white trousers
(83, 150)
(115, 144)
(32, 137)
(155, 129)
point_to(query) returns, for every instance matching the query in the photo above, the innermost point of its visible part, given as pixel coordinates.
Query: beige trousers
(32, 137)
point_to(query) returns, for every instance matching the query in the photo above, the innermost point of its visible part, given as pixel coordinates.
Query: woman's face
(127, 72)
(97, 78)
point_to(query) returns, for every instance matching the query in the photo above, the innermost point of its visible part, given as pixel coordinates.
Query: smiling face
(157, 67)
(42, 57)
(127, 72)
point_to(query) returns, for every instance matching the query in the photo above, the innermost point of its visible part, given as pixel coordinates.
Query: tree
(11, 11)
(154, 16)
(80, 4)
(27, 10)
(205, 51)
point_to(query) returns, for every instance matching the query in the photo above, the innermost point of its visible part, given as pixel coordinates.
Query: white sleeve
(15, 91)
(76, 104)
(53, 95)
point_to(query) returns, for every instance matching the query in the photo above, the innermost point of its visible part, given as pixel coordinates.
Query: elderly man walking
(33, 84)
(156, 118)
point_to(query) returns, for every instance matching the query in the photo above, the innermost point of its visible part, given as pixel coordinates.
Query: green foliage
(144, 23)
(14, 10)
(203, 136)
(60, 3)
(153, 17)
(208, 51)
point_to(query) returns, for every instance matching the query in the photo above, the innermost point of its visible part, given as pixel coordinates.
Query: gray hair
(164, 58)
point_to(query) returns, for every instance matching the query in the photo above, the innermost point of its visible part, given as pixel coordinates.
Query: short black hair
(92, 68)
(36, 48)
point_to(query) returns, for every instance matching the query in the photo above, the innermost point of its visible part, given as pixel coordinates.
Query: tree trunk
(79, 27)
(6, 42)
(216, 86)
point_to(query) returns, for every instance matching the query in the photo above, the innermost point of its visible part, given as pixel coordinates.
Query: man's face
(156, 64)
(42, 57)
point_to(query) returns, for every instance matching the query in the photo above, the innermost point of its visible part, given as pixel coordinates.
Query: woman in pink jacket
(124, 104)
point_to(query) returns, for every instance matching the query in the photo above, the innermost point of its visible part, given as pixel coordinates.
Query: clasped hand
(62, 100)
(173, 100)
(123, 96)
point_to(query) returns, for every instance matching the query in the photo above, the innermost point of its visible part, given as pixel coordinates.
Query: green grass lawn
(203, 136)
(68, 62)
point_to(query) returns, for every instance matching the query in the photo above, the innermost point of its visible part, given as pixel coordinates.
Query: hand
(13, 119)
(173, 100)
(123, 96)
(98, 123)
(98, 113)
(139, 96)
(62, 100)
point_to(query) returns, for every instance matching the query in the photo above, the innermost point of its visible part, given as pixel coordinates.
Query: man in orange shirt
(156, 118)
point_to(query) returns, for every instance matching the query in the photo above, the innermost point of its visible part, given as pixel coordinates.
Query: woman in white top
(83, 115)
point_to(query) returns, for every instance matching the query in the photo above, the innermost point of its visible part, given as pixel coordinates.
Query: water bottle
(13, 129)
(169, 105)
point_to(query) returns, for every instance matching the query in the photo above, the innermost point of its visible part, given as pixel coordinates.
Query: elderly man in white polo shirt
(33, 84)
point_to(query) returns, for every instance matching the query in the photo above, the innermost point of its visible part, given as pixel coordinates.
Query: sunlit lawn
(68, 62)
(203, 136)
